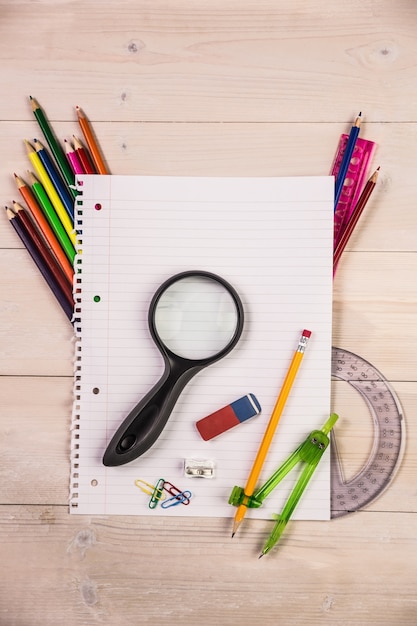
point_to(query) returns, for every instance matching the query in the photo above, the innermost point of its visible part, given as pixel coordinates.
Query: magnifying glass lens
(196, 317)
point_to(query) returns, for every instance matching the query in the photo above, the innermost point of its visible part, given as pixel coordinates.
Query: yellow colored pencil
(271, 428)
(50, 190)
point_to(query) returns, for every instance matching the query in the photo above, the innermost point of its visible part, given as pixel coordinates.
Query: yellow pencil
(50, 190)
(271, 428)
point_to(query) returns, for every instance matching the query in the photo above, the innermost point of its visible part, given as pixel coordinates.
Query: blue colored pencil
(55, 177)
(344, 166)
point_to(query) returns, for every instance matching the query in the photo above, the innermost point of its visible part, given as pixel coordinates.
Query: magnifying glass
(195, 318)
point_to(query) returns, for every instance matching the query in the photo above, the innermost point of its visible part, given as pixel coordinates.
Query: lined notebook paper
(272, 240)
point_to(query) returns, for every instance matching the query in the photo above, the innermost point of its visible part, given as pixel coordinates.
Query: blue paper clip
(157, 494)
(181, 498)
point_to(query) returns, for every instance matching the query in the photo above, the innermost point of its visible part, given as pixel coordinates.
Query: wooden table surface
(213, 88)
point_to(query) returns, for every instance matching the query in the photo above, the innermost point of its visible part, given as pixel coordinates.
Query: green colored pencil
(52, 218)
(55, 147)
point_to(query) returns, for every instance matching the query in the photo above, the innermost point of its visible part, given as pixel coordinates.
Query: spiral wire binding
(77, 291)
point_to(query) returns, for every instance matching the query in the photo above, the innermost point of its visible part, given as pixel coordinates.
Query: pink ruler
(354, 182)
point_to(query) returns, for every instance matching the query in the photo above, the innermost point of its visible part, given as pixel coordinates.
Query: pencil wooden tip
(235, 527)
(32, 177)
(375, 175)
(34, 103)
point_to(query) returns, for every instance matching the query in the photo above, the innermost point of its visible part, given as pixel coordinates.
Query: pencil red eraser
(228, 417)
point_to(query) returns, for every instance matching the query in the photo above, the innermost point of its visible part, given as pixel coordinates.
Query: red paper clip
(177, 493)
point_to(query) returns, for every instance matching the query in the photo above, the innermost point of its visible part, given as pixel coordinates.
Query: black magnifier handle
(142, 427)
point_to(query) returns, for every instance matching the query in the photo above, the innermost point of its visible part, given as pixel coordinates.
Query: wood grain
(242, 88)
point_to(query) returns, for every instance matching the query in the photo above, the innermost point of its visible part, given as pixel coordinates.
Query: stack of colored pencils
(348, 226)
(45, 225)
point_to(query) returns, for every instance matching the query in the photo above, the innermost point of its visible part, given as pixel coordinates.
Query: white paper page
(272, 240)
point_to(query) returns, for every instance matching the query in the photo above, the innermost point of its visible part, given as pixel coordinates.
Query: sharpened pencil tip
(233, 534)
(261, 555)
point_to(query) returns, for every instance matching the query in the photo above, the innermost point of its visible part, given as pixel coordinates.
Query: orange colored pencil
(91, 142)
(44, 227)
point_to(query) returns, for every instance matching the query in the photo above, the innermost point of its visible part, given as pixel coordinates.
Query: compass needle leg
(310, 452)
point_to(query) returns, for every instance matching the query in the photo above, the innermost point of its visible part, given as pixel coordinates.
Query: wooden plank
(115, 571)
(241, 150)
(199, 62)
(35, 439)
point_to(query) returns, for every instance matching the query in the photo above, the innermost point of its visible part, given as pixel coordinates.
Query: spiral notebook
(272, 240)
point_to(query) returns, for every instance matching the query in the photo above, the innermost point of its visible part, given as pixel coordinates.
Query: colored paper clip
(309, 452)
(157, 494)
(145, 487)
(181, 498)
(177, 493)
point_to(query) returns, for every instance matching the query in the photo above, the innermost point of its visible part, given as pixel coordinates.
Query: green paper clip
(309, 452)
(157, 494)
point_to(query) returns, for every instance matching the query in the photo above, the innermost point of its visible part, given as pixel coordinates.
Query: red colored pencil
(356, 213)
(83, 156)
(44, 252)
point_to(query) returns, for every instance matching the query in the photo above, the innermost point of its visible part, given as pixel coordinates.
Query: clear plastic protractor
(348, 496)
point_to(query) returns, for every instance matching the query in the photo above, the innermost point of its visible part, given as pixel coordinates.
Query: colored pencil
(271, 428)
(350, 146)
(43, 225)
(62, 191)
(50, 190)
(54, 146)
(353, 220)
(42, 266)
(91, 142)
(73, 159)
(40, 243)
(83, 156)
(52, 217)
